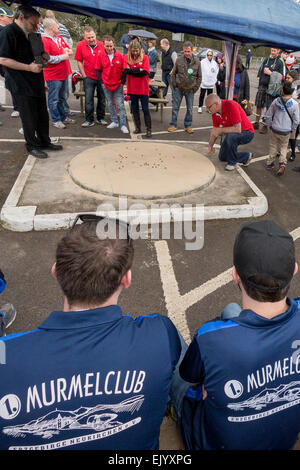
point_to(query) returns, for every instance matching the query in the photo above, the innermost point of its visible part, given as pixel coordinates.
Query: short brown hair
(89, 270)
(263, 295)
(188, 44)
(107, 37)
(87, 29)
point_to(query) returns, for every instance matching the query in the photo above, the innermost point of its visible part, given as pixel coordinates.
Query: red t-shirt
(61, 70)
(111, 70)
(232, 113)
(138, 85)
(88, 55)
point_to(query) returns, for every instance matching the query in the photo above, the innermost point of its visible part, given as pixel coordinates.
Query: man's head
(284, 55)
(287, 89)
(187, 49)
(274, 52)
(291, 76)
(213, 103)
(6, 16)
(91, 268)
(209, 54)
(50, 14)
(264, 260)
(89, 35)
(51, 27)
(164, 44)
(109, 45)
(27, 18)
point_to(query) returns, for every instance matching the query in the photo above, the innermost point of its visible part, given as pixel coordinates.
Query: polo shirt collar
(59, 320)
(253, 320)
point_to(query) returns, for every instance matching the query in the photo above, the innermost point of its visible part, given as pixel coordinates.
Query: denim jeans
(117, 95)
(228, 151)
(166, 78)
(56, 97)
(177, 96)
(66, 104)
(89, 87)
(144, 99)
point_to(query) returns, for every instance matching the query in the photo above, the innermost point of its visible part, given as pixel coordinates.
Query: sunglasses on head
(124, 227)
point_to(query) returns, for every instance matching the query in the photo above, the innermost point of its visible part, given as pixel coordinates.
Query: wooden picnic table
(154, 85)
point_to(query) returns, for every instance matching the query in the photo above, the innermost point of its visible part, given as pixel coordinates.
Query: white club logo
(10, 406)
(233, 389)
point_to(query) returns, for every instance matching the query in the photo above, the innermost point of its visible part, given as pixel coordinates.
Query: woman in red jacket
(137, 69)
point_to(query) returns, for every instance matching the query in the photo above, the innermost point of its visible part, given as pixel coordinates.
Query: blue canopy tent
(256, 22)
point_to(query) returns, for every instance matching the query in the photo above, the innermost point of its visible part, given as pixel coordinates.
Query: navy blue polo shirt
(250, 368)
(94, 379)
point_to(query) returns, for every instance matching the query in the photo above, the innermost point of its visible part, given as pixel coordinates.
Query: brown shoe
(172, 129)
(263, 130)
(189, 130)
(281, 170)
(256, 125)
(270, 166)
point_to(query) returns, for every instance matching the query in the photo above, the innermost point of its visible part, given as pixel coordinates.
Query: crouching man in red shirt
(109, 68)
(230, 120)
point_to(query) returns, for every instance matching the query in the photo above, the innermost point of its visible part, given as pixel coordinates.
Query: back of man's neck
(266, 309)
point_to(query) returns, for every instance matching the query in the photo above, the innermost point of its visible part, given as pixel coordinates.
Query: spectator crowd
(92, 378)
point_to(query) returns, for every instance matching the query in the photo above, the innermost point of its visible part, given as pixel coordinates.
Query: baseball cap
(264, 249)
(6, 12)
(290, 60)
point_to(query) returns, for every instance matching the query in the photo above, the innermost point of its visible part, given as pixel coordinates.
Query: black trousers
(35, 120)
(202, 94)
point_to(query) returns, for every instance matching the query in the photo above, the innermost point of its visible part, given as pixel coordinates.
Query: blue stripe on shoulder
(17, 335)
(298, 302)
(140, 318)
(216, 325)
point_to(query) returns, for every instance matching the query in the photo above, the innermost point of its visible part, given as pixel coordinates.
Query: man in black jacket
(24, 79)
(168, 59)
(271, 64)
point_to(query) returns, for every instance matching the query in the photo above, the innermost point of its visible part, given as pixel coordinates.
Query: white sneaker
(112, 125)
(229, 167)
(21, 131)
(124, 130)
(59, 125)
(15, 114)
(69, 120)
(199, 110)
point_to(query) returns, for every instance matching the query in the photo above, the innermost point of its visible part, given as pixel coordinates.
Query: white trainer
(15, 114)
(59, 125)
(199, 110)
(124, 130)
(112, 125)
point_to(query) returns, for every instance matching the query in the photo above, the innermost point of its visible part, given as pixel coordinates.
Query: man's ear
(296, 269)
(53, 271)
(126, 280)
(236, 278)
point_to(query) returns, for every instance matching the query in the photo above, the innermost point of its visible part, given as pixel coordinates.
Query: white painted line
(17, 189)
(177, 304)
(181, 130)
(173, 299)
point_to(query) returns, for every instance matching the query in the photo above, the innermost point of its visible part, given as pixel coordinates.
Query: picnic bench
(155, 85)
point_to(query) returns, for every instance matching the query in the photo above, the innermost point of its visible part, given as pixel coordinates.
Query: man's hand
(35, 68)
(211, 150)
(68, 51)
(267, 71)
(46, 56)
